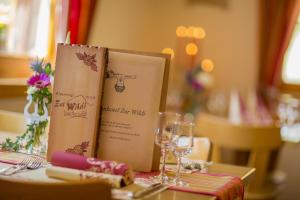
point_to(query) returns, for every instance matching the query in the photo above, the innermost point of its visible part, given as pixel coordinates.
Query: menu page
(134, 92)
(76, 99)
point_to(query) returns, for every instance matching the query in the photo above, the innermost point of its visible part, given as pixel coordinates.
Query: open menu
(76, 100)
(134, 92)
(106, 103)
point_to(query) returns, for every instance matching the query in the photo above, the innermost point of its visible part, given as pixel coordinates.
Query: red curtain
(278, 19)
(80, 15)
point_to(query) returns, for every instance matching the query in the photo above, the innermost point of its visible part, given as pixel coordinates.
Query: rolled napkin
(68, 174)
(74, 161)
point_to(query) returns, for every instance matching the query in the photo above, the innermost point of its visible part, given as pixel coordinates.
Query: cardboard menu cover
(135, 90)
(76, 102)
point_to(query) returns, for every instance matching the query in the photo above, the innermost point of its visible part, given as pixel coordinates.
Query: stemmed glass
(163, 137)
(182, 145)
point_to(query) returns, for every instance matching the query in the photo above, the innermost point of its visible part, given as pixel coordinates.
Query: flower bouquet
(198, 83)
(38, 94)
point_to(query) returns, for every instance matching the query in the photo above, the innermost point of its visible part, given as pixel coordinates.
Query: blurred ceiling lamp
(199, 33)
(190, 31)
(168, 51)
(191, 49)
(181, 31)
(207, 65)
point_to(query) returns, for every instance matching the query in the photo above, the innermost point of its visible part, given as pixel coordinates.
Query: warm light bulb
(181, 31)
(190, 31)
(191, 49)
(168, 51)
(199, 33)
(207, 65)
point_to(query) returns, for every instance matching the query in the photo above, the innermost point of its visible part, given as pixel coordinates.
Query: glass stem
(177, 179)
(40, 107)
(163, 168)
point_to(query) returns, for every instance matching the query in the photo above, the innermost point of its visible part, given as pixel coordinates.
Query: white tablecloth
(32, 175)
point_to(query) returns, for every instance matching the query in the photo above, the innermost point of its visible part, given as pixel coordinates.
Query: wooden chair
(14, 71)
(21, 190)
(201, 149)
(14, 66)
(12, 124)
(260, 141)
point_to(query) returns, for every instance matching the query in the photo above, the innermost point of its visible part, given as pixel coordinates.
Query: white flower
(32, 90)
(205, 79)
(51, 79)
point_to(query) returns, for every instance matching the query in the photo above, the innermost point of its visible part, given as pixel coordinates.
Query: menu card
(76, 100)
(135, 89)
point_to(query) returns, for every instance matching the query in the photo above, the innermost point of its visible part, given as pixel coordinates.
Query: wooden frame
(77, 97)
(162, 68)
(14, 66)
(290, 88)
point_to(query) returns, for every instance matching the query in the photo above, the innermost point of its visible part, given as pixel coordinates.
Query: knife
(158, 187)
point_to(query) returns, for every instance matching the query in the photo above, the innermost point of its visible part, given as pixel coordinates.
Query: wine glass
(163, 136)
(181, 145)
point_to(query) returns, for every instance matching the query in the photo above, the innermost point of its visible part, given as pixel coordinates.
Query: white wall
(231, 27)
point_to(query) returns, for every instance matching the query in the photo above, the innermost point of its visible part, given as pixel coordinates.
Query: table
(245, 173)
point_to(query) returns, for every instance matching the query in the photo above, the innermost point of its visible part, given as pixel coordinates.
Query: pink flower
(39, 81)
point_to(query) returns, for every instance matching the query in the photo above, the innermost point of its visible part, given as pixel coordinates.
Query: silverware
(148, 191)
(4, 169)
(154, 191)
(145, 191)
(22, 165)
(35, 164)
(141, 194)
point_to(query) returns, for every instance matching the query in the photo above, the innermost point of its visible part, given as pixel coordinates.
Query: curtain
(277, 22)
(69, 15)
(25, 19)
(74, 16)
(61, 20)
(80, 14)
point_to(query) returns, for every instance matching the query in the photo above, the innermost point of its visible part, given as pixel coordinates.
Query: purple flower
(39, 81)
(37, 65)
(197, 86)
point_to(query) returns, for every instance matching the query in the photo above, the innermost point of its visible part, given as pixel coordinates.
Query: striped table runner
(224, 187)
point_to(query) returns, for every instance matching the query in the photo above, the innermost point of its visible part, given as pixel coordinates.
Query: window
(24, 27)
(291, 63)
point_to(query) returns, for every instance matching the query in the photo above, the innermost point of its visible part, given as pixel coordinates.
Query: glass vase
(35, 139)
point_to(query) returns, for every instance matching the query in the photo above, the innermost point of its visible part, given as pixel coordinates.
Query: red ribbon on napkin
(74, 161)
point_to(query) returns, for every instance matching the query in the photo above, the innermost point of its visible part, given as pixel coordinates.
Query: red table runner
(224, 187)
